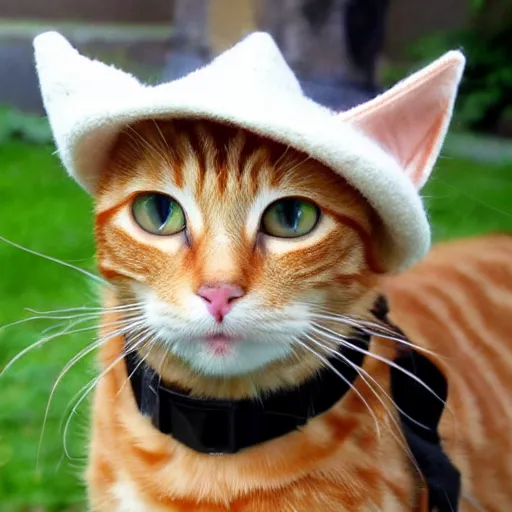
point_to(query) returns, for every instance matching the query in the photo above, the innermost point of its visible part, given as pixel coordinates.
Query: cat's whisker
(298, 164)
(86, 273)
(76, 309)
(127, 316)
(333, 335)
(391, 416)
(99, 309)
(143, 143)
(363, 375)
(83, 353)
(342, 377)
(372, 332)
(56, 327)
(165, 153)
(46, 339)
(283, 155)
(142, 332)
(43, 341)
(52, 328)
(360, 321)
(363, 321)
(32, 319)
(139, 339)
(362, 370)
(374, 328)
(92, 315)
(162, 361)
(136, 342)
(365, 326)
(47, 316)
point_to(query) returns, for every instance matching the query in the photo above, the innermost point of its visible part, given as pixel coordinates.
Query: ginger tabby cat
(216, 173)
(339, 461)
(246, 234)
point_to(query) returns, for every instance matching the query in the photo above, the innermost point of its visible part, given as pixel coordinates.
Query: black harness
(417, 403)
(227, 426)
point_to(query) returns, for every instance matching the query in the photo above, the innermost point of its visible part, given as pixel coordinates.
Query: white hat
(385, 148)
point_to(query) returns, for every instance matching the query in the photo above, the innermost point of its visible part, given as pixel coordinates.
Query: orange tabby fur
(458, 303)
(339, 461)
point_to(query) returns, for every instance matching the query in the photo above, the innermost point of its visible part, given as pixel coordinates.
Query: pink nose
(220, 298)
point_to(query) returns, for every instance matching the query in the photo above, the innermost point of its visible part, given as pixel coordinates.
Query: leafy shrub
(486, 90)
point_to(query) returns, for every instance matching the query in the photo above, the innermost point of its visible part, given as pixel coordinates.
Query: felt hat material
(385, 148)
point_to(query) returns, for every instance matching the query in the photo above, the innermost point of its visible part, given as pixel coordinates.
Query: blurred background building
(336, 46)
(343, 50)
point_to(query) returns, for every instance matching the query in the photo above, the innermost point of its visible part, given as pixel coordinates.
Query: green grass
(465, 198)
(43, 210)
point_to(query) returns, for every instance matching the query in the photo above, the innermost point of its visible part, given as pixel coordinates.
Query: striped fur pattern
(301, 298)
(458, 304)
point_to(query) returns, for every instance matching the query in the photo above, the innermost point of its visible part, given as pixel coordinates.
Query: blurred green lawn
(43, 210)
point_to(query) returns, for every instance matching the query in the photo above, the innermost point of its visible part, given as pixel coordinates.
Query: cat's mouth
(220, 344)
(238, 346)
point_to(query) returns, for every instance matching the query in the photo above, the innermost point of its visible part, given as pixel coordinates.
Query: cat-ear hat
(385, 148)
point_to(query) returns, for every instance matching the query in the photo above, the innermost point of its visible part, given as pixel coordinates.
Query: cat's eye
(158, 214)
(290, 218)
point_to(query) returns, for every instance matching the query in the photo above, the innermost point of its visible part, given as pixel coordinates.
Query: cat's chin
(241, 369)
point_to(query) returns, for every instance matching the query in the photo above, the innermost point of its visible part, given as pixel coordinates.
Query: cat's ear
(411, 119)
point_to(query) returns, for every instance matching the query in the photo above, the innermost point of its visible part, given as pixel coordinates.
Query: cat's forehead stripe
(225, 154)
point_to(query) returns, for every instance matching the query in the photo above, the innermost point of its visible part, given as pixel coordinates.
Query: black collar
(213, 426)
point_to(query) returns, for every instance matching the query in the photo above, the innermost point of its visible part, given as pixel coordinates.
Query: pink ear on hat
(411, 119)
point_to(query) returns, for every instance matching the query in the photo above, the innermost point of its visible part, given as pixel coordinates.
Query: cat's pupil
(289, 213)
(162, 205)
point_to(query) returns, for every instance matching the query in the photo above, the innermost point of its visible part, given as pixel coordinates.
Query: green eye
(290, 218)
(158, 214)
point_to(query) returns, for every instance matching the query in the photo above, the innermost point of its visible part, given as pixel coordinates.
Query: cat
(217, 171)
(246, 236)
(339, 461)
